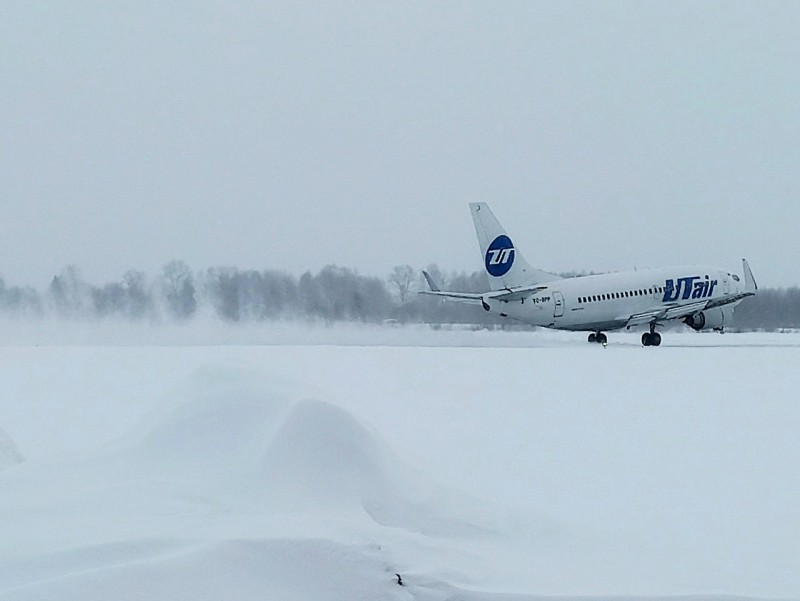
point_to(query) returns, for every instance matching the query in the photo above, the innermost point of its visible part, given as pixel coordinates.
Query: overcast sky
(605, 135)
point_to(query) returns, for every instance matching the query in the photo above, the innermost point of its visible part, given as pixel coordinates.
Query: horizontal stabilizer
(508, 295)
(514, 294)
(431, 283)
(463, 297)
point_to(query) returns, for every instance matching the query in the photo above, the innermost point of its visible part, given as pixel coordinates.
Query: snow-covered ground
(278, 462)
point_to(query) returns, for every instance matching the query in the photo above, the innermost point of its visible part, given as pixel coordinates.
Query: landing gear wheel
(651, 339)
(592, 337)
(601, 338)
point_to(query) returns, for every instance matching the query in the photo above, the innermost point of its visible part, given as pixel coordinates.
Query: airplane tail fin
(504, 264)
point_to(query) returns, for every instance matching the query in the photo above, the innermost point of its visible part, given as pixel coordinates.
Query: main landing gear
(598, 337)
(651, 338)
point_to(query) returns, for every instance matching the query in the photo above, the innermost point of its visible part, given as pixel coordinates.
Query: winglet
(431, 283)
(749, 281)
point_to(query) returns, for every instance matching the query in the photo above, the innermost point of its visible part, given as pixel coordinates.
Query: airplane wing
(677, 311)
(666, 313)
(750, 285)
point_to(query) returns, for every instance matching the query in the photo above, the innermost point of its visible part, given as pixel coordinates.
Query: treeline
(334, 294)
(770, 309)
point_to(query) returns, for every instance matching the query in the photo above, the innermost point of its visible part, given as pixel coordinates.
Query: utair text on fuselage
(685, 288)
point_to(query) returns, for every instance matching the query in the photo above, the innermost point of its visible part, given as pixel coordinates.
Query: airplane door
(558, 304)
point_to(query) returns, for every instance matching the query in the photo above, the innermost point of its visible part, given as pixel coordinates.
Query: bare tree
(403, 278)
(179, 290)
(68, 293)
(139, 300)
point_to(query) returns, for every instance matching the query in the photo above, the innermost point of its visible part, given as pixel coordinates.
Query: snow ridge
(9, 454)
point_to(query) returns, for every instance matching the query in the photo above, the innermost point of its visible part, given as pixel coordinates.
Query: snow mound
(255, 443)
(218, 424)
(9, 454)
(322, 457)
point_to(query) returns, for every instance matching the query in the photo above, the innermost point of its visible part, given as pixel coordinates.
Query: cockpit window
(735, 278)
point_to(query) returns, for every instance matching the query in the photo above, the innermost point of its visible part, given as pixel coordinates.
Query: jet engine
(710, 319)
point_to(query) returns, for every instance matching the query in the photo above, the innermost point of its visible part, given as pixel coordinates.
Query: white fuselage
(605, 302)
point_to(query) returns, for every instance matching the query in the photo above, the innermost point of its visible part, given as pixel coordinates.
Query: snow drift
(255, 440)
(9, 454)
(214, 472)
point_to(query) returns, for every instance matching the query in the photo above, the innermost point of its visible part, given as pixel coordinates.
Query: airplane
(700, 295)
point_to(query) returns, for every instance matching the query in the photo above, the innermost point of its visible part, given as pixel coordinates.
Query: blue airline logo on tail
(686, 288)
(499, 256)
